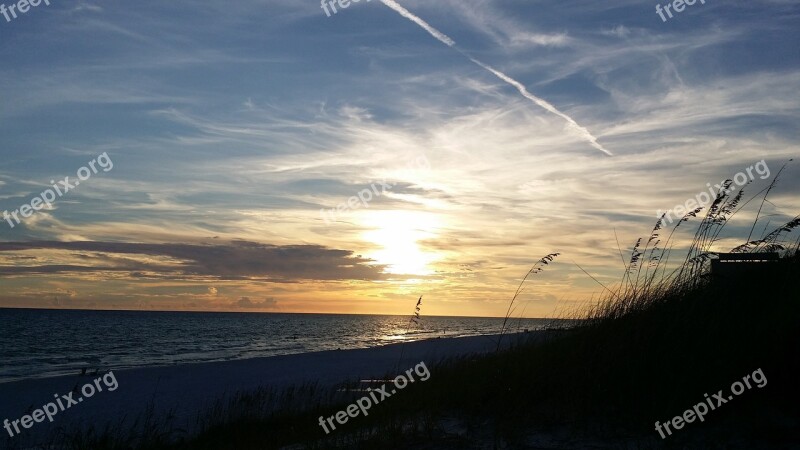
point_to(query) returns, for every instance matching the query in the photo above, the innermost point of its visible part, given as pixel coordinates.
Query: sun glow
(398, 234)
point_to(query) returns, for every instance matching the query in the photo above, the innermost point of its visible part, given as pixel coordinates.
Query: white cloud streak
(408, 15)
(583, 132)
(445, 39)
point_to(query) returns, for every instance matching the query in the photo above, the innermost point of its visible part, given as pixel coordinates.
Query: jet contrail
(408, 15)
(445, 39)
(544, 104)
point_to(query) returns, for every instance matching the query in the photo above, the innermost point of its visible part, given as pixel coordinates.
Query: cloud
(425, 25)
(620, 31)
(86, 7)
(237, 260)
(246, 303)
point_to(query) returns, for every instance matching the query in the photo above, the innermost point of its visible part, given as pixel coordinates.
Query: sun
(397, 235)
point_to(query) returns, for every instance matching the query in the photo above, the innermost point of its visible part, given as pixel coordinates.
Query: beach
(188, 390)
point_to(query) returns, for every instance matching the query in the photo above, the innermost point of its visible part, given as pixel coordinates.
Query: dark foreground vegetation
(661, 339)
(602, 385)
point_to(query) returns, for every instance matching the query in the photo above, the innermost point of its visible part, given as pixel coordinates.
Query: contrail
(544, 104)
(445, 39)
(408, 15)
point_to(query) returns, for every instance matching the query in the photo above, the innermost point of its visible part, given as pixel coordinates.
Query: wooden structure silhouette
(735, 263)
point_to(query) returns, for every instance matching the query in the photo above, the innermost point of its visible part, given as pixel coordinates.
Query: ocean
(46, 343)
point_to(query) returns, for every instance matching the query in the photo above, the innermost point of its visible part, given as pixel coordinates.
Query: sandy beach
(186, 390)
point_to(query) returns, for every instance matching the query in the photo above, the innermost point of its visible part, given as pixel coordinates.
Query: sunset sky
(485, 125)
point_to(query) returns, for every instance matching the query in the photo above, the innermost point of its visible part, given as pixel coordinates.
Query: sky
(229, 142)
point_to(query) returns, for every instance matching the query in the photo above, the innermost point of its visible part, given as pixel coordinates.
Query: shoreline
(135, 340)
(187, 390)
(73, 372)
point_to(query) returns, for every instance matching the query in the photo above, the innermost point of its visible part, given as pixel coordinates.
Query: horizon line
(267, 312)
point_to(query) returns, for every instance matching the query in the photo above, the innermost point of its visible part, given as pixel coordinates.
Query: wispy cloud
(582, 131)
